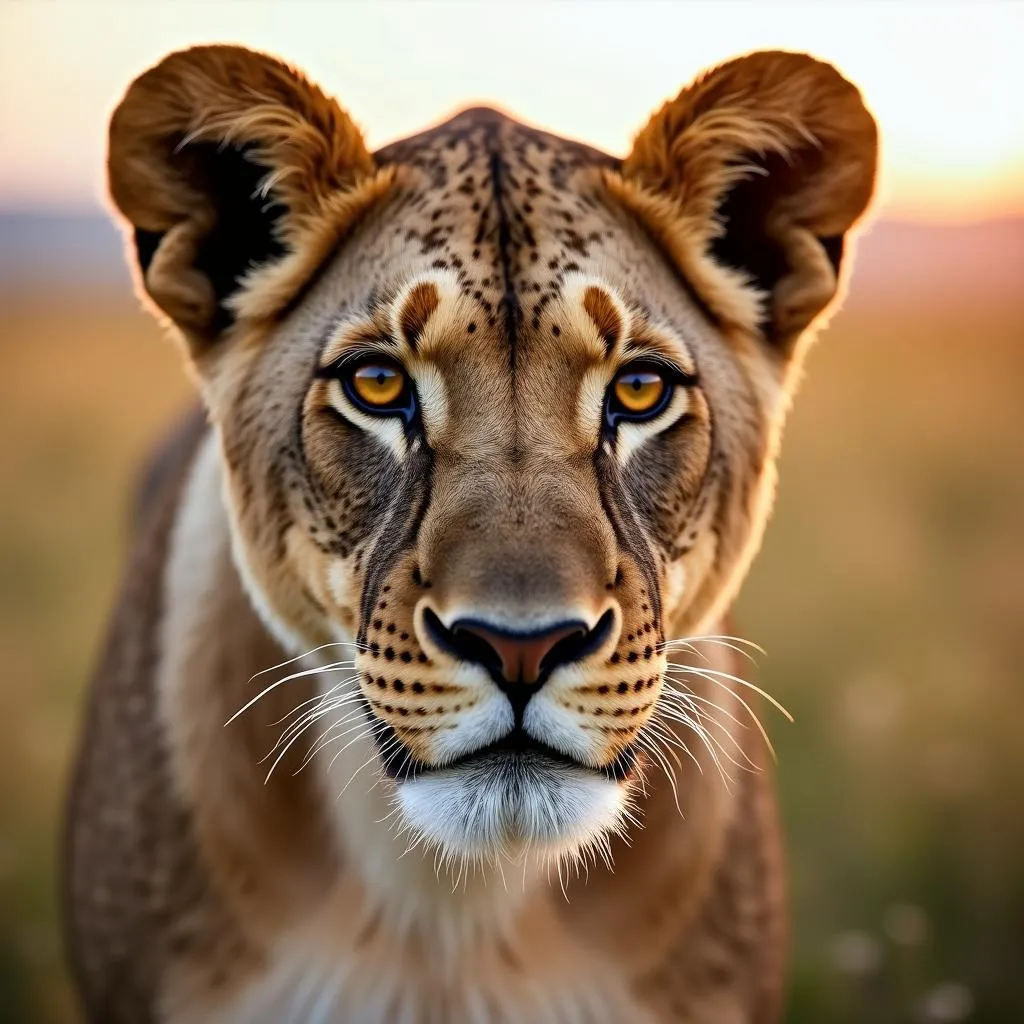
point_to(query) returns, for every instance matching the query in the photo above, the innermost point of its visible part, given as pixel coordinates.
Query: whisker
(689, 705)
(338, 666)
(405, 761)
(670, 737)
(686, 720)
(750, 710)
(670, 693)
(312, 700)
(727, 737)
(382, 753)
(684, 717)
(294, 730)
(297, 732)
(326, 739)
(652, 748)
(734, 679)
(367, 731)
(701, 734)
(720, 638)
(325, 703)
(561, 881)
(315, 714)
(660, 730)
(306, 654)
(286, 748)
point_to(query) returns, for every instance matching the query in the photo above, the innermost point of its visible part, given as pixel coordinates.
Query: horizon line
(883, 213)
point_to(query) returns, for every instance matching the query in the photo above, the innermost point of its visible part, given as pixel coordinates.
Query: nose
(518, 656)
(519, 661)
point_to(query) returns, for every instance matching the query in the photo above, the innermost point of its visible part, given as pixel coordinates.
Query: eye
(639, 392)
(377, 385)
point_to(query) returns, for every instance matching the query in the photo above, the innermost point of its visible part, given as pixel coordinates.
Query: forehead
(515, 225)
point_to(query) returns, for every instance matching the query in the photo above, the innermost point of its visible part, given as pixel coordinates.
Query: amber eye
(378, 386)
(638, 392)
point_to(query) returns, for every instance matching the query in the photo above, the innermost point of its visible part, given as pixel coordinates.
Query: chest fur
(361, 970)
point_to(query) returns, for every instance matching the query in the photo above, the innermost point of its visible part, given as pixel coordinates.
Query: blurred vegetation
(888, 596)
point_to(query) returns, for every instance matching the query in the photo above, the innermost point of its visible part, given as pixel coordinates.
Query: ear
(750, 179)
(238, 177)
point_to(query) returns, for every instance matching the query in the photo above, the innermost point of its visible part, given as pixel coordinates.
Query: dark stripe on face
(401, 528)
(650, 477)
(628, 532)
(509, 299)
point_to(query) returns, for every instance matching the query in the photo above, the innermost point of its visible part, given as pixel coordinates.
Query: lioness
(418, 704)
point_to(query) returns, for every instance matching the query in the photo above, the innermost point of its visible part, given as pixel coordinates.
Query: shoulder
(161, 476)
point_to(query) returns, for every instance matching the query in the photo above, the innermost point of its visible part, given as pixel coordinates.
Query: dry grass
(888, 595)
(86, 389)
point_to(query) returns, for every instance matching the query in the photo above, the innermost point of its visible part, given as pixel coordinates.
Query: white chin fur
(506, 808)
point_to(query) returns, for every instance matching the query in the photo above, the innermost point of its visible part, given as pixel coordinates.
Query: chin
(506, 804)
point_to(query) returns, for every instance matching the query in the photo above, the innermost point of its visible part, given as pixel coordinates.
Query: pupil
(381, 378)
(637, 384)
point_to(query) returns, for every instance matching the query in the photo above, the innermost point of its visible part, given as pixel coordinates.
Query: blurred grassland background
(889, 594)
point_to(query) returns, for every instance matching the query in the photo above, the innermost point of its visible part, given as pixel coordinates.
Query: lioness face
(495, 409)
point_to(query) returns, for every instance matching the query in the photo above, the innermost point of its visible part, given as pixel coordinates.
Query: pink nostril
(521, 656)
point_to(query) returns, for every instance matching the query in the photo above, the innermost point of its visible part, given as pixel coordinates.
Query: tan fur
(232, 860)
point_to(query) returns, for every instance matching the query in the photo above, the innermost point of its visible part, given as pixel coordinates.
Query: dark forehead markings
(511, 309)
(509, 298)
(499, 206)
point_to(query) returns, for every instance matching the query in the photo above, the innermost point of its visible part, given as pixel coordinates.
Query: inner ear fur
(238, 178)
(750, 179)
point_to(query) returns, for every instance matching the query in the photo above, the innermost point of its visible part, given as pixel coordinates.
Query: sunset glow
(943, 79)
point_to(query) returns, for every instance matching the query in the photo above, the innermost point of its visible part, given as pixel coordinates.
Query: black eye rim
(615, 413)
(405, 405)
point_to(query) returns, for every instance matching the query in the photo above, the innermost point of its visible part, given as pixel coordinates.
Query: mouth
(516, 797)
(512, 753)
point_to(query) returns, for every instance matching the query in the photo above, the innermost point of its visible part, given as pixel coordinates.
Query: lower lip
(514, 748)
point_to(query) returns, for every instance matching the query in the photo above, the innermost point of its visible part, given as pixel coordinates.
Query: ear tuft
(225, 161)
(749, 179)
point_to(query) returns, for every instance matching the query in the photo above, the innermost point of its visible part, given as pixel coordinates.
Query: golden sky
(946, 80)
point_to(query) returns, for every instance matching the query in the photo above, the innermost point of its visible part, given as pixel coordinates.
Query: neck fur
(420, 892)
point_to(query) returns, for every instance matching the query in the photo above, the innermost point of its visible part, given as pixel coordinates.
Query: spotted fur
(511, 274)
